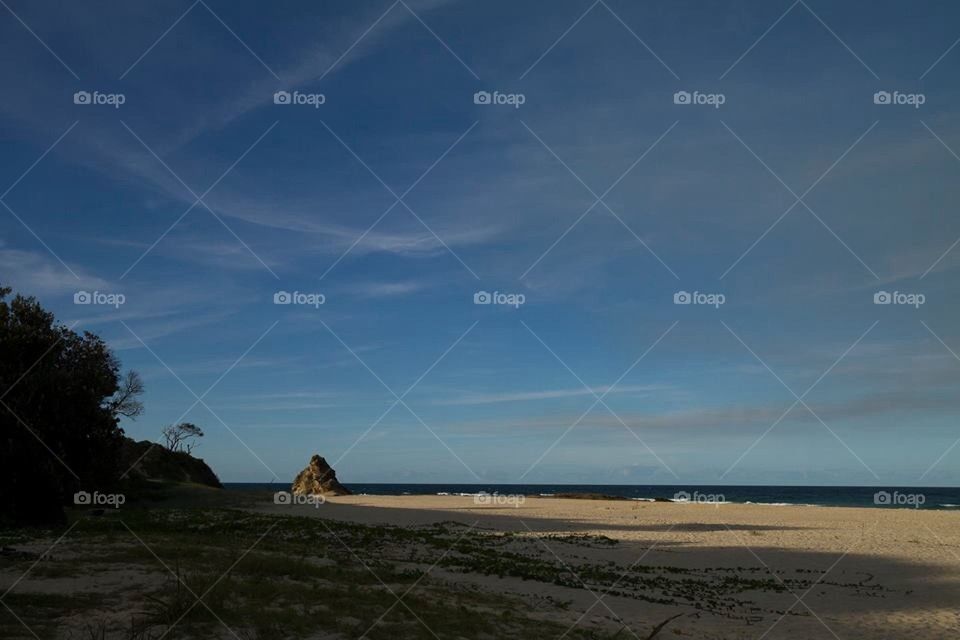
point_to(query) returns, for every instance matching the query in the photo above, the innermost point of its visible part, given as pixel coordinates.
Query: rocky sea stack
(318, 478)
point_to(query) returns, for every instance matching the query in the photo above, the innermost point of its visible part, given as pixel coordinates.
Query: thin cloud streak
(552, 394)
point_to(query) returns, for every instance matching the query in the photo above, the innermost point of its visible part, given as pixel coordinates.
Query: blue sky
(597, 199)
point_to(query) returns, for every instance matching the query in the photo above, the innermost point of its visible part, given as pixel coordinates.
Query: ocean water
(878, 497)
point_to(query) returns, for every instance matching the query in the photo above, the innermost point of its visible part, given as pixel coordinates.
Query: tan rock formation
(318, 478)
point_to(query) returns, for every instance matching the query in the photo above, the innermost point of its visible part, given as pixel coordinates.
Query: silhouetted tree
(182, 437)
(126, 402)
(61, 398)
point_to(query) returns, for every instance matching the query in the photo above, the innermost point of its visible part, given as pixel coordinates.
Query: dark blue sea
(879, 497)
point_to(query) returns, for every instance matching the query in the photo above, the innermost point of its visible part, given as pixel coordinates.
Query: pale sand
(914, 555)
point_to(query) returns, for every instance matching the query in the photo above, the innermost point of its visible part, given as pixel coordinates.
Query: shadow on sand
(843, 593)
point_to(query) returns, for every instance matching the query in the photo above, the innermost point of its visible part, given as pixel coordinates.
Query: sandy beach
(842, 572)
(220, 565)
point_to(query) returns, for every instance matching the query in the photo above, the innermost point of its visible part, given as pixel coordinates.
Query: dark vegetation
(149, 462)
(62, 396)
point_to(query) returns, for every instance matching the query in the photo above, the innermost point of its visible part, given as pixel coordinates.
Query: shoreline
(464, 501)
(917, 500)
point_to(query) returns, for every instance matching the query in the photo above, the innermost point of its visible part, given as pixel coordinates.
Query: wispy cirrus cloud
(916, 403)
(550, 394)
(37, 273)
(346, 40)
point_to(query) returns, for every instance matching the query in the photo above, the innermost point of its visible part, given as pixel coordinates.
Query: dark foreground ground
(199, 566)
(205, 564)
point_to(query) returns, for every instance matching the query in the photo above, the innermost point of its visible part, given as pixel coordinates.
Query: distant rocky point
(318, 478)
